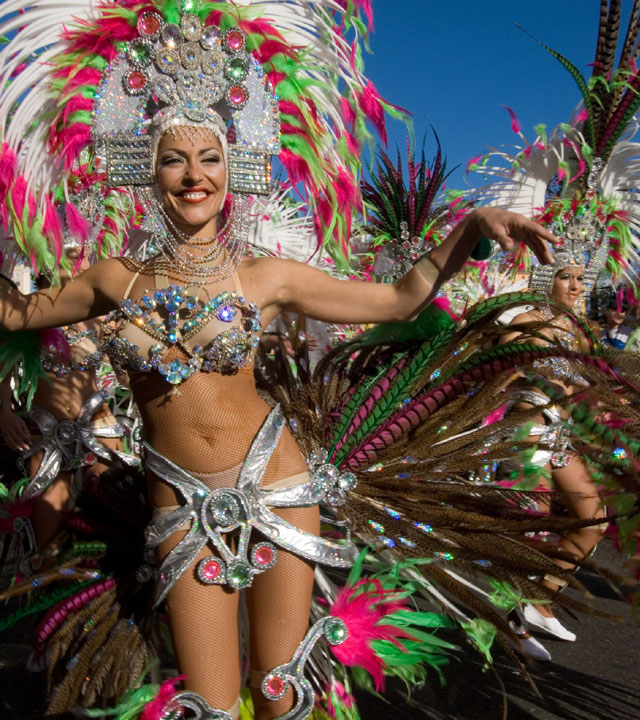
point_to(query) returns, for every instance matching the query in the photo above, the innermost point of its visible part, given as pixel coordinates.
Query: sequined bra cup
(83, 352)
(182, 316)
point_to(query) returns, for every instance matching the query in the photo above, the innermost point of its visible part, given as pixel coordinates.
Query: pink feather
(78, 226)
(52, 230)
(296, 167)
(346, 191)
(353, 145)
(515, 123)
(581, 117)
(19, 196)
(75, 105)
(495, 416)
(8, 164)
(370, 103)
(348, 113)
(155, 709)
(473, 162)
(363, 611)
(54, 339)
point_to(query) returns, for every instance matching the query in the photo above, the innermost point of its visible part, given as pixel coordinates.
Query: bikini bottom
(69, 445)
(238, 511)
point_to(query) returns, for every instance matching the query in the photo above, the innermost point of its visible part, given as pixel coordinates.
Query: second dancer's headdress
(580, 180)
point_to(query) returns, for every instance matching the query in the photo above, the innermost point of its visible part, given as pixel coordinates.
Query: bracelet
(426, 267)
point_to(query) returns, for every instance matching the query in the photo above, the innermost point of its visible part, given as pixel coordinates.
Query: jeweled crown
(185, 73)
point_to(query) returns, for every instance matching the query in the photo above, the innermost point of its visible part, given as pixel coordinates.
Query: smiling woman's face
(191, 176)
(567, 286)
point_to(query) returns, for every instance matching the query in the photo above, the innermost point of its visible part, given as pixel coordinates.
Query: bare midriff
(206, 425)
(64, 396)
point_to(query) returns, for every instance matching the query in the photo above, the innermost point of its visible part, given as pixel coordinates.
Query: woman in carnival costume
(174, 106)
(51, 376)
(579, 182)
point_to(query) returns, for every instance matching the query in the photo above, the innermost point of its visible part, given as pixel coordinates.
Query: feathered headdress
(75, 73)
(580, 179)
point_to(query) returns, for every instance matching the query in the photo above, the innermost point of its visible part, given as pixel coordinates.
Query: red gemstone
(211, 569)
(274, 685)
(237, 95)
(148, 25)
(90, 459)
(235, 40)
(137, 80)
(264, 555)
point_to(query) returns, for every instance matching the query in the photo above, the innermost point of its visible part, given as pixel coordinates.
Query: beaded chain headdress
(186, 75)
(87, 88)
(581, 224)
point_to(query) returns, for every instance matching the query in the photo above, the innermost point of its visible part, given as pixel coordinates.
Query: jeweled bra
(185, 317)
(53, 361)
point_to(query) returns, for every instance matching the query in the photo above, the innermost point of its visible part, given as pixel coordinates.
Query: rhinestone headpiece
(188, 75)
(585, 242)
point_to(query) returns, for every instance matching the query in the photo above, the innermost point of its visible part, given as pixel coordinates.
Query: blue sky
(455, 64)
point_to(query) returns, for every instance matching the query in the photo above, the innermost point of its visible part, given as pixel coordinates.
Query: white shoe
(529, 645)
(550, 625)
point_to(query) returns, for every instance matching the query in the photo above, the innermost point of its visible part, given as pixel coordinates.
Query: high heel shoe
(550, 625)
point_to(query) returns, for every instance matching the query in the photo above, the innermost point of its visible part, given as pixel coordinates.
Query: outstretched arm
(94, 292)
(305, 290)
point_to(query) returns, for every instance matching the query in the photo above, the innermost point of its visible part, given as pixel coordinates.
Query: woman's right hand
(14, 430)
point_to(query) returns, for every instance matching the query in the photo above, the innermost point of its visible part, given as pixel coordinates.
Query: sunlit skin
(567, 286)
(192, 181)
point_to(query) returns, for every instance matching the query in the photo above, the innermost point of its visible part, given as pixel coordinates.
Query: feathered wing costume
(391, 425)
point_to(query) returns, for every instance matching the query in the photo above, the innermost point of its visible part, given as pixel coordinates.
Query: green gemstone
(240, 576)
(237, 68)
(139, 53)
(335, 631)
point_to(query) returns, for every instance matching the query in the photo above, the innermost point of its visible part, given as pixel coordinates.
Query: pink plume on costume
(101, 38)
(269, 48)
(353, 145)
(527, 151)
(346, 190)
(582, 116)
(73, 140)
(78, 226)
(54, 338)
(338, 689)
(348, 113)
(296, 166)
(52, 230)
(155, 709)
(286, 107)
(495, 416)
(31, 204)
(364, 612)
(515, 123)
(443, 303)
(86, 76)
(74, 105)
(19, 196)
(370, 103)
(8, 164)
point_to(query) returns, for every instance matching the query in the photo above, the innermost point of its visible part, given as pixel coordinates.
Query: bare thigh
(279, 603)
(204, 628)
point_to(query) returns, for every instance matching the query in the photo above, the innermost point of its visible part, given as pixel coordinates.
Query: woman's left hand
(507, 228)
